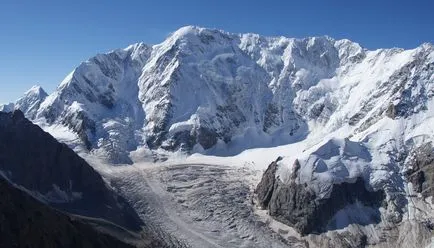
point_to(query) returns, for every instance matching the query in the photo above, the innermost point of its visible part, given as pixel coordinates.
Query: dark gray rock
(26, 222)
(183, 141)
(206, 138)
(420, 170)
(409, 98)
(187, 139)
(298, 206)
(272, 117)
(344, 239)
(264, 190)
(82, 125)
(391, 111)
(35, 160)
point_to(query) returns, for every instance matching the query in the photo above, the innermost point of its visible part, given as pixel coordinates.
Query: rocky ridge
(53, 173)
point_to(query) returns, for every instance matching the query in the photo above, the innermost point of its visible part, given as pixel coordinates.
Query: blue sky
(42, 41)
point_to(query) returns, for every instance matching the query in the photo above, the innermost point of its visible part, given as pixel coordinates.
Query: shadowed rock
(35, 160)
(298, 206)
(420, 170)
(264, 190)
(26, 222)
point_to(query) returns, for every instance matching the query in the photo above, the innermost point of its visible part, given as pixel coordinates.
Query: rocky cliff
(299, 206)
(26, 222)
(52, 172)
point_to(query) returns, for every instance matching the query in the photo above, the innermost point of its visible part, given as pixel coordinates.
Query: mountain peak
(28, 103)
(427, 45)
(191, 29)
(36, 90)
(136, 46)
(188, 29)
(31, 101)
(185, 32)
(189, 32)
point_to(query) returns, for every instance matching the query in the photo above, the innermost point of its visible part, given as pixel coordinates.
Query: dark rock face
(26, 222)
(271, 118)
(264, 190)
(391, 111)
(181, 140)
(82, 125)
(409, 98)
(297, 205)
(35, 160)
(421, 170)
(206, 137)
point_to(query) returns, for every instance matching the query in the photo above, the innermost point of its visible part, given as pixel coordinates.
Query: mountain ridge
(193, 92)
(53, 173)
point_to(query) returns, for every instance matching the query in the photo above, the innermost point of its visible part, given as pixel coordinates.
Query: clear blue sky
(42, 41)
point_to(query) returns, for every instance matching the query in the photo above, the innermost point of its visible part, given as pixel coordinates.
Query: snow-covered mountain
(209, 91)
(29, 103)
(351, 119)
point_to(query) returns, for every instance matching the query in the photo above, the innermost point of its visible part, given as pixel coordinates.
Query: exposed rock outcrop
(297, 205)
(26, 222)
(33, 159)
(265, 188)
(420, 170)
